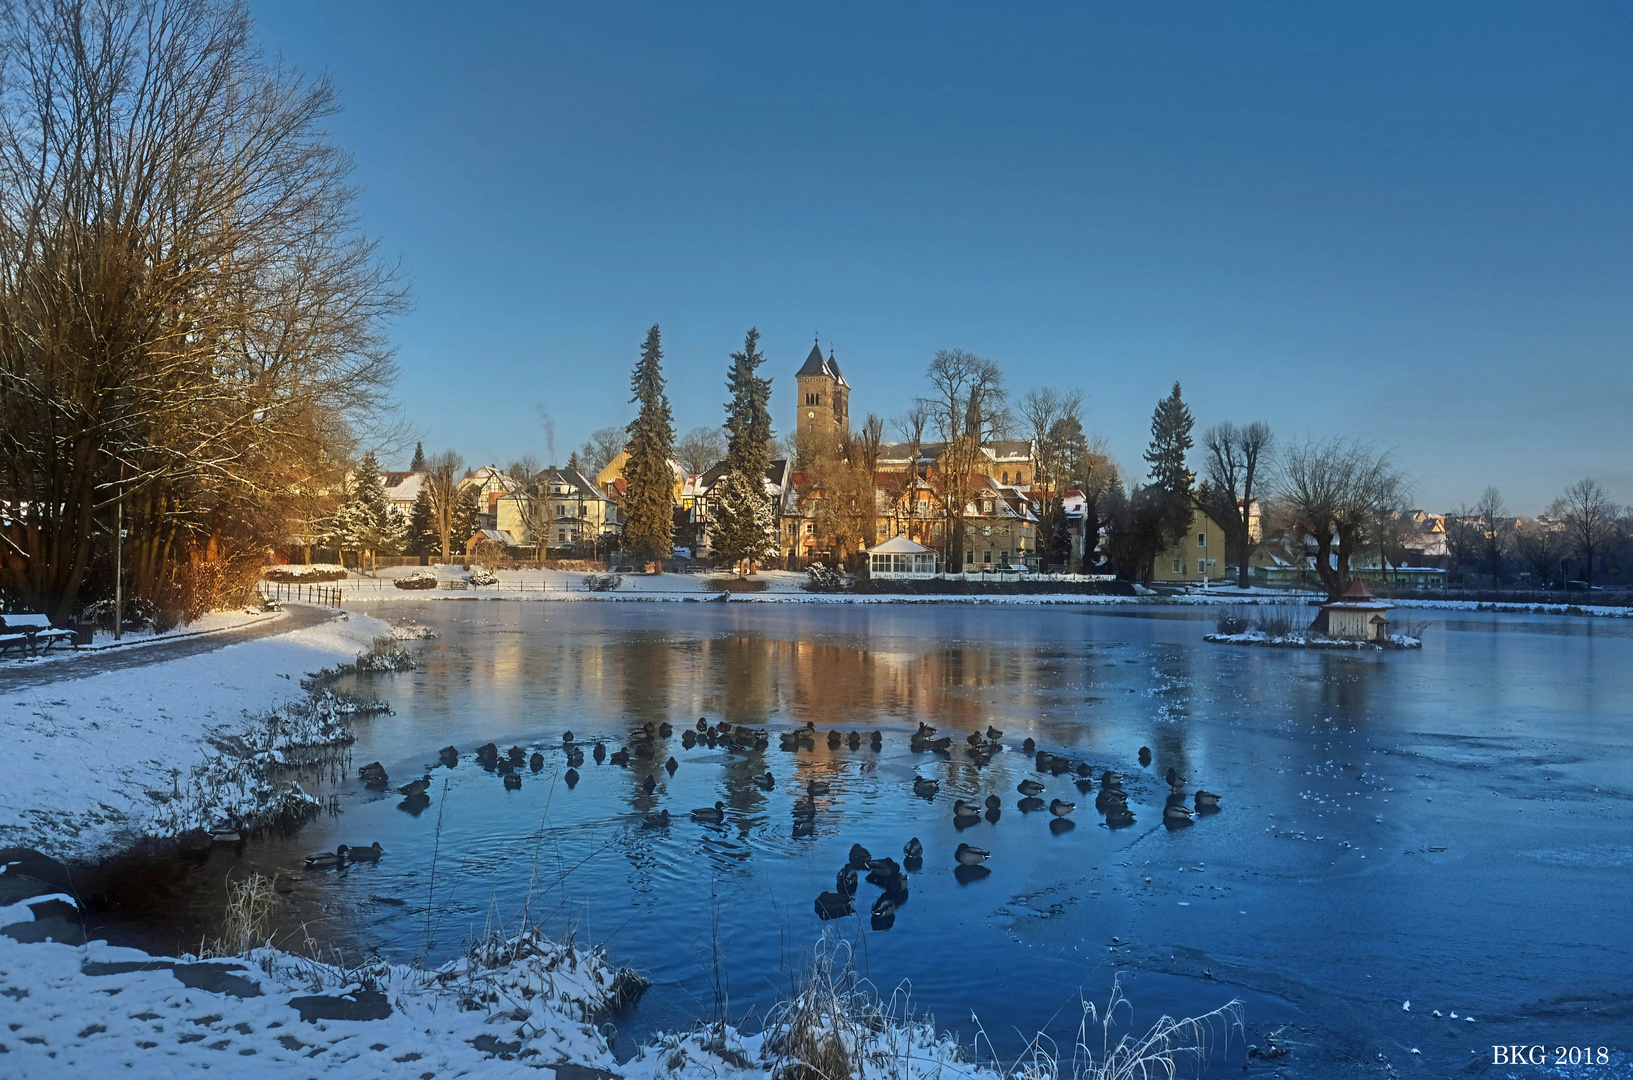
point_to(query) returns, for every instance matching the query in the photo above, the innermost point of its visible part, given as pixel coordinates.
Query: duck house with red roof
(1355, 616)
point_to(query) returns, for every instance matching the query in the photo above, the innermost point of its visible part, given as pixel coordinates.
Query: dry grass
(251, 904)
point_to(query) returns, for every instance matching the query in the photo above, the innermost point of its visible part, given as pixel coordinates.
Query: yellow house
(1199, 556)
(607, 477)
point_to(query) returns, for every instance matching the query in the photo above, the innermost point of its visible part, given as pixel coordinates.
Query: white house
(900, 557)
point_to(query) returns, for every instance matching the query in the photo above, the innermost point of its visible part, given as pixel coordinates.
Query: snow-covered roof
(898, 545)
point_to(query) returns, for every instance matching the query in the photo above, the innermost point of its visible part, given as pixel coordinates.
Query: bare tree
(601, 447)
(1591, 520)
(1496, 529)
(442, 475)
(190, 322)
(1336, 492)
(1237, 459)
(527, 485)
(967, 408)
(700, 448)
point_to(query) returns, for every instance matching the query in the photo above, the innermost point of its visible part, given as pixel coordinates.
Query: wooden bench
(30, 633)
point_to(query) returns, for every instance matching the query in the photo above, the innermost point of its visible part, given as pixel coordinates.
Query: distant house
(490, 483)
(563, 509)
(898, 558)
(402, 488)
(498, 536)
(1198, 557)
(697, 495)
(1355, 616)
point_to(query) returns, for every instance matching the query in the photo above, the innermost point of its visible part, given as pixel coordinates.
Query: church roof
(816, 364)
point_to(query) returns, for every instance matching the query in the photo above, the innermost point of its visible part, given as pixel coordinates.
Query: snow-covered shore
(99, 762)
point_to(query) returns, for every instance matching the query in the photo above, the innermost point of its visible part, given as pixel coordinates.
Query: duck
(876, 740)
(513, 782)
(854, 741)
(816, 787)
(658, 820)
(1176, 816)
(702, 724)
(671, 765)
(971, 856)
(805, 808)
(567, 738)
(1029, 746)
(884, 908)
(804, 828)
(1085, 784)
(1119, 817)
(1029, 788)
(536, 762)
(859, 857)
(993, 733)
(993, 802)
(716, 813)
(649, 785)
(575, 757)
(325, 860)
(1174, 779)
(765, 781)
(516, 755)
(373, 776)
(619, 757)
(925, 788)
(688, 738)
(665, 729)
(966, 809)
(833, 905)
(845, 880)
(1107, 801)
(1084, 769)
(371, 853)
(1042, 760)
(925, 730)
(416, 787)
(1109, 779)
(1060, 807)
(834, 739)
(600, 753)
(1145, 756)
(448, 756)
(1206, 798)
(570, 777)
(913, 849)
(487, 755)
(1029, 804)
(975, 739)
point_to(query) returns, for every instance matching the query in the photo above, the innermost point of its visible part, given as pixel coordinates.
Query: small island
(1354, 620)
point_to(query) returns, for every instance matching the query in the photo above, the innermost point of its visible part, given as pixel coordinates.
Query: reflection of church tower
(824, 396)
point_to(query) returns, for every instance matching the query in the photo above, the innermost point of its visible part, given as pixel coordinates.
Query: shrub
(303, 573)
(481, 575)
(1231, 622)
(821, 578)
(602, 582)
(419, 579)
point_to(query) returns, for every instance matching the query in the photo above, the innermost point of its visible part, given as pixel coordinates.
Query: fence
(322, 595)
(362, 587)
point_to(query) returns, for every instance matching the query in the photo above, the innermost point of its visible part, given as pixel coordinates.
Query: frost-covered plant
(819, 578)
(306, 573)
(481, 575)
(1231, 622)
(419, 579)
(602, 582)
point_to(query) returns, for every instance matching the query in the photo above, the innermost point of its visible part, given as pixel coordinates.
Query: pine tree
(467, 517)
(748, 413)
(743, 523)
(1170, 441)
(366, 522)
(575, 463)
(418, 464)
(422, 531)
(649, 521)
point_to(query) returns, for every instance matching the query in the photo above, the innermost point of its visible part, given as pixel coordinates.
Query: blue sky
(1406, 222)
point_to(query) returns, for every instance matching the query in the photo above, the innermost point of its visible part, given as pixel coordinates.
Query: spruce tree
(748, 413)
(743, 525)
(1170, 441)
(422, 530)
(418, 464)
(649, 516)
(743, 522)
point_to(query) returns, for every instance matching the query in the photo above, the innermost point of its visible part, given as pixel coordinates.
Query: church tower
(824, 397)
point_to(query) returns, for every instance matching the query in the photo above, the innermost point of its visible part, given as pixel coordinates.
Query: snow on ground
(212, 623)
(94, 762)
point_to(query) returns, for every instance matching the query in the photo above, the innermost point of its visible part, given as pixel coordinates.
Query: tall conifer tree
(649, 519)
(748, 413)
(418, 464)
(1170, 441)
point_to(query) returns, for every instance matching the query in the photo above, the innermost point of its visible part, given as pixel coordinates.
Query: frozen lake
(1449, 827)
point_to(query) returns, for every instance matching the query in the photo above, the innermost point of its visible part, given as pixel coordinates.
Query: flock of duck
(1110, 800)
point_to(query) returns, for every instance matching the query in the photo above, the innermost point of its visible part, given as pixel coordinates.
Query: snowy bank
(1313, 641)
(99, 762)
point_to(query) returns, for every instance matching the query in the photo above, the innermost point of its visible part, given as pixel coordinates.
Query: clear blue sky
(1408, 222)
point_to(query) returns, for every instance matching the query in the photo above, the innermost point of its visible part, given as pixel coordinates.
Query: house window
(969, 558)
(1006, 476)
(1179, 568)
(1202, 567)
(1201, 539)
(1020, 478)
(810, 528)
(986, 557)
(561, 535)
(1005, 559)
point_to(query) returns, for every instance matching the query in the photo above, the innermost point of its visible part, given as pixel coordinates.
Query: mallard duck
(966, 809)
(1107, 801)
(516, 754)
(854, 741)
(833, 905)
(804, 828)
(765, 781)
(993, 802)
(1042, 760)
(925, 788)
(975, 738)
(1145, 756)
(1029, 788)
(716, 813)
(1176, 815)
(1172, 776)
(371, 853)
(876, 740)
(1119, 817)
(567, 737)
(599, 753)
(513, 782)
(658, 820)
(925, 730)
(702, 724)
(619, 757)
(1206, 798)
(449, 756)
(575, 757)
(416, 787)
(671, 765)
(859, 857)
(816, 787)
(688, 738)
(834, 739)
(971, 856)
(845, 880)
(326, 860)
(1083, 769)
(665, 730)
(1060, 807)
(1109, 779)
(536, 762)
(649, 785)
(993, 733)
(913, 849)
(570, 777)
(1029, 746)
(884, 907)
(487, 753)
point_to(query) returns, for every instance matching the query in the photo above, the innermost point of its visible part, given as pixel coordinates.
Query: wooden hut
(1355, 616)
